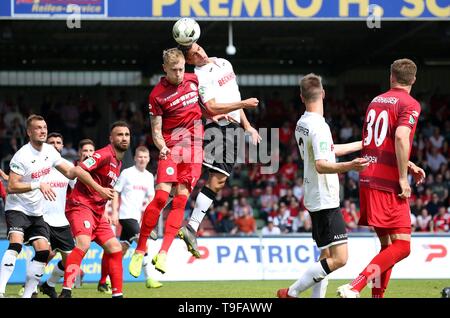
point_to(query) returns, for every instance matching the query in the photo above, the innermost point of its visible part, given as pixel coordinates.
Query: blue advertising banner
(58, 7)
(230, 9)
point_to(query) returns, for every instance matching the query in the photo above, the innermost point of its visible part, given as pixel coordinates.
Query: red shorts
(83, 221)
(382, 209)
(175, 170)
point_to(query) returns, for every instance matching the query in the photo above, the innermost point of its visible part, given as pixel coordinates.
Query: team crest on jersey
(412, 121)
(87, 224)
(193, 87)
(89, 162)
(170, 171)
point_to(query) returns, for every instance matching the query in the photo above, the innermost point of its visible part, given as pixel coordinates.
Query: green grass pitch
(400, 288)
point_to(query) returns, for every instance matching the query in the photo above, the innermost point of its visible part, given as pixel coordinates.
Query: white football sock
(34, 274)
(7, 268)
(319, 289)
(57, 274)
(313, 275)
(145, 266)
(202, 205)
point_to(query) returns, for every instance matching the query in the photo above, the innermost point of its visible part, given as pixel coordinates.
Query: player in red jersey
(177, 131)
(388, 132)
(85, 211)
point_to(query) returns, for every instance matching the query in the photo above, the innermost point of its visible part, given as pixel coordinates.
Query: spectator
(245, 224)
(441, 221)
(289, 169)
(225, 222)
(299, 189)
(424, 221)
(437, 140)
(435, 159)
(270, 228)
(433, 205)
(301, 223)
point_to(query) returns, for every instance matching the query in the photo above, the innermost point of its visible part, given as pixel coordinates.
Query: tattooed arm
(158, 139)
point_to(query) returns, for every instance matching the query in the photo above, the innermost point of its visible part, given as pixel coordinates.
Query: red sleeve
(409, 115)
(92, 163)
(2, 191)
(154, 108)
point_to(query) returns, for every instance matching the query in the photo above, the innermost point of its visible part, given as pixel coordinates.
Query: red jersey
(178, 105)
(104, 169)
(385, 113)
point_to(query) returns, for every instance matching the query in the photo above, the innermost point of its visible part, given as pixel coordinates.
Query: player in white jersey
(217, 85)
(134, 190)
(321, 189)
(24, 203)
(61, 239)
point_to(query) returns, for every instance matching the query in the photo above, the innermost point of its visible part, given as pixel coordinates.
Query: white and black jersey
(33, 166)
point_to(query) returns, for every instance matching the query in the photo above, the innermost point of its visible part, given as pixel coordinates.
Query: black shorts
(61, 239)
(221, 145)
(32, 227)
(328, 227)
(130, 230)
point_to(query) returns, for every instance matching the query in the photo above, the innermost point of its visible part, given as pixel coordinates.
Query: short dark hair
(311, 87)
(32, 118)
(84, 142)
(55, 135)
(185, 49)
(119, 123)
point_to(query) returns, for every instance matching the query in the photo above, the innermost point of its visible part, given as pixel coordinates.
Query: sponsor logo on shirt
(89, 162)
(140, 187)
(226, 78)
(40, 173)
(58, 184)
(113, 177)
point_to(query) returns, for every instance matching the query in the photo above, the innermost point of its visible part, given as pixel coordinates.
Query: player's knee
(160, 199)
(338, 262)
(15, 247)
(83, 245)
(41, 256)
(401, 249)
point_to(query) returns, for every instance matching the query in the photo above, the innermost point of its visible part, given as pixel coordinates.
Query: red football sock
(174, 221)
(378, 288)
(105, 268)
(150, 218)
(116, 272)
(386, 259)
(73, 263)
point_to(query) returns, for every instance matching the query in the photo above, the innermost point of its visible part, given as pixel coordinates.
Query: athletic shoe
(346, 291)
(65, 293)
(188, 235)
(151, 283)
(48, 290)
(135, 266)
(104, 288)
(283, 293)
(160, 262)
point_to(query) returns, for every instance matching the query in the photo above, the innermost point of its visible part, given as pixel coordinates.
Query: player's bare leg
(216, 181)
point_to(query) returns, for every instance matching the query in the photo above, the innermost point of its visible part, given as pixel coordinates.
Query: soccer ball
(186, 31)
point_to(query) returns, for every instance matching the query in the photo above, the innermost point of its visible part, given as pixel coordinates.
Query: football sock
(116, 272)
(386, 259)
(105, 268)
(57, 274)
(145, 266)
(150, 218)
(380, 286)
(314, 274)
(174, 221)
(8, 264)
(204, 200)
(319, 290)
(34, 273)
(73, 263)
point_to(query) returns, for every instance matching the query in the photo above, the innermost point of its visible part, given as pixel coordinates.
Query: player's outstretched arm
(256, 138)
(86, 178)
(158, 139)
(214, 108)
(344, 149)
(324, 167)
(15, 185)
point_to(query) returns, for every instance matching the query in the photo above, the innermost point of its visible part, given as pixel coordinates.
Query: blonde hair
(311, 87)
(172, 55)
(404, 71)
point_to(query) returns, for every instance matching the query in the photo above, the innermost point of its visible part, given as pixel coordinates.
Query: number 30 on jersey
(379, 131)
